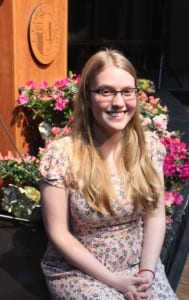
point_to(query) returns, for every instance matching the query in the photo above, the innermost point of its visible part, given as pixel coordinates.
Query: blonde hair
(140, 178)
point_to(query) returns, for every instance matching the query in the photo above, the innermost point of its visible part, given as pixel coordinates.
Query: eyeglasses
(111, 93)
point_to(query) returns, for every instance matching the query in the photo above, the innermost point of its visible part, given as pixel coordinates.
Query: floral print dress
(115, 241)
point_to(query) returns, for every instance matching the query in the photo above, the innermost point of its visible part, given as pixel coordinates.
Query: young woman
(102, 194)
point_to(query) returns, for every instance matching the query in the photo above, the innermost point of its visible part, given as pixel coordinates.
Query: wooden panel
(183, 287)
(18, 64)
(6, 71)
(23, 54)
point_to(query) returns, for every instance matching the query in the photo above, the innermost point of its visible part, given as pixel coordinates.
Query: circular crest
(44, 34)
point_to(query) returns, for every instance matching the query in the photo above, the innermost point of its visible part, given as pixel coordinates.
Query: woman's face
(112, 111)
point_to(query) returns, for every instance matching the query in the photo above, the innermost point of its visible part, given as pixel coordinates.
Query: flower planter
(21, 249)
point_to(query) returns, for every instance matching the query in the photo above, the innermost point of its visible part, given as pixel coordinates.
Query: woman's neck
(110, 150)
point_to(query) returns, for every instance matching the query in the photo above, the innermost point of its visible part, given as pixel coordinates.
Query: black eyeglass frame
(113, 92)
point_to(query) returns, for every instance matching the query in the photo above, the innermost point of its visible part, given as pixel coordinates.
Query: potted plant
(155, 117)
(20, 196)
(49, 107)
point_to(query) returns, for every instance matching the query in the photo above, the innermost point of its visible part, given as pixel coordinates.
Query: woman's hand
(138, 296)
(145, 288)
(129, 285)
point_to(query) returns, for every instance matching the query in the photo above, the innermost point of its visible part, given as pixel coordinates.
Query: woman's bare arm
(154, 233)
(56, 220)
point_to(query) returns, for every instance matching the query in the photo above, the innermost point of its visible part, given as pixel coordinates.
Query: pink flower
(23, 99)
(71, 119)
(143, 96)
(146, 122)
(160, 122)
(60, 103)
(164, 108)
(178, 198)
(169, 198)
(62, 83)
(31, 84)
(169, 220)
(77, 79)
(176, 163)
(169, 166)
(154, 110)
(10, 156)
(184, 171)
(149, 91)
(154, 101)
(44, 85)
(55, 130)
(173, 198)
(67, 130)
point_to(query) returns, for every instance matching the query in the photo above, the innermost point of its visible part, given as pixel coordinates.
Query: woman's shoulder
(154, 144)
(152, 138)
(57, 150)
(55, 161)
(63, 144)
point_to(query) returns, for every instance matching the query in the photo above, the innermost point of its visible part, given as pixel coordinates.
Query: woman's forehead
(112, 75)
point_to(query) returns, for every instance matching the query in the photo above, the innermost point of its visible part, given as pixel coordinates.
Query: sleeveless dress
(115, 241)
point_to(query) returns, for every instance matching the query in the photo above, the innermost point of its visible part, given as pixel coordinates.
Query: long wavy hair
(140, 180)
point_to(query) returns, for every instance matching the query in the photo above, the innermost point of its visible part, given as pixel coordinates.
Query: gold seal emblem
(44, 34)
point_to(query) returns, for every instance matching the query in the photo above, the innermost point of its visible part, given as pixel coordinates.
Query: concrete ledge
(176, 245)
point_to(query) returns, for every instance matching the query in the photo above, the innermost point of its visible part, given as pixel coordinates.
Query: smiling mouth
(116, 113)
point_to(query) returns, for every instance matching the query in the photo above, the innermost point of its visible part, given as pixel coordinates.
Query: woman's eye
(126, 92)
(106, 92)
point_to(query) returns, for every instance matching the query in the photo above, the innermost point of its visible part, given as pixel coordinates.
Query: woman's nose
(118, 100)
